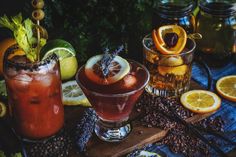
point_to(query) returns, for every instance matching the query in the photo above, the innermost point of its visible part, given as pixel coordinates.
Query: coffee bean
(179, 139)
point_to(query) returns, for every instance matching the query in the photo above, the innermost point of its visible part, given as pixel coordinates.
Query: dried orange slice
(118, 68)
(200, 101)
(166, 41)
(226, 87)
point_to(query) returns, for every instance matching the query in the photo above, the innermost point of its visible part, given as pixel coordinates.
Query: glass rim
(118, 94)
(231, 10)
(168, 55)
(32, 65)
(165, 10)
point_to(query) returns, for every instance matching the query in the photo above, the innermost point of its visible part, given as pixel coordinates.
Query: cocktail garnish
(23, 33)
(107, 68)
(171, 39)
(108, 58)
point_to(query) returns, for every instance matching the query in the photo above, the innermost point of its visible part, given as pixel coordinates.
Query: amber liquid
(218, 45)
(169, 75)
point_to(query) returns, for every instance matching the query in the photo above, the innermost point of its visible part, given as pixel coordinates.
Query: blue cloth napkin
(200, 75)
(227, 110)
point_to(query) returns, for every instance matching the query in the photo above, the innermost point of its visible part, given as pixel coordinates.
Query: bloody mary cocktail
(34, 96)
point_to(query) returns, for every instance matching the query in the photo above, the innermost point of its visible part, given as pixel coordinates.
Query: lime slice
(66, 54)
(68, 67)
(3, 109)
(118, 68)
(73, 95)
(60, 47)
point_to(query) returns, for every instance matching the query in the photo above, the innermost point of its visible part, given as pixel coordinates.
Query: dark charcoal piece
(58, 146)
(84, 129)
(171, 39)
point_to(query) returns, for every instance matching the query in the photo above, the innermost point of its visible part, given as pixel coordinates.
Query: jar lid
(175, 8)
(222, 8)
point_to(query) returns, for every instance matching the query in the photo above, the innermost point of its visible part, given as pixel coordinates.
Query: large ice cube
(129, 81)
(23, 77)
(46, 80)
(21, 82)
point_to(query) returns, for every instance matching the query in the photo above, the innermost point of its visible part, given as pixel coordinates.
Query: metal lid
(223, 8)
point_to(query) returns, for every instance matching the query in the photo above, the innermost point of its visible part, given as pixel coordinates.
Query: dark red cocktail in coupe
(112, 91)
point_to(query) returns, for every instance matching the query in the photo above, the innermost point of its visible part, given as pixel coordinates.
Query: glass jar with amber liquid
(177, 12)
(216, 22)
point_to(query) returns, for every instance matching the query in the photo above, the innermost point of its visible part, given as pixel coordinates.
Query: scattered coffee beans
(179, 139)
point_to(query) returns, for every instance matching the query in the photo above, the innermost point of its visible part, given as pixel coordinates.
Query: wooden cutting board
(136, 139)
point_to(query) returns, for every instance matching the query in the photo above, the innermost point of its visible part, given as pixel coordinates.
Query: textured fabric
(227, 110)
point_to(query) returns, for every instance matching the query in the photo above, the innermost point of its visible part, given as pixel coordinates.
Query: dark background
(9, 7)
(91, 25)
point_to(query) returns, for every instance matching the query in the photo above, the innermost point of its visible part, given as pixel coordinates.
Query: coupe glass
(114, 108)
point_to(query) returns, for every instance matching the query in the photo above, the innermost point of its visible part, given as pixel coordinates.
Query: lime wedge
(73, 95)
(61, 48)
(66, 54)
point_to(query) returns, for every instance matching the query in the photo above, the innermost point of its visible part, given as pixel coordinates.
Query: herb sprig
(23, 32)
(108, 58)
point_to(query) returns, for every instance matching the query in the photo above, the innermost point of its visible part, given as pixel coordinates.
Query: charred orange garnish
(169, 39)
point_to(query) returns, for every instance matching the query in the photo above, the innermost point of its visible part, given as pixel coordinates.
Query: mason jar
(216, 22)
(178, 12)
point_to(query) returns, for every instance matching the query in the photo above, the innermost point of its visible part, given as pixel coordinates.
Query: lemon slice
(159, 35)
(226, 87)
(200, 101)
(3, 109)
(73, 95)
(118, 68)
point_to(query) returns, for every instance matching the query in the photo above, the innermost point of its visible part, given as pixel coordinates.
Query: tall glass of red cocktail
(34, 96)
(113, 95)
